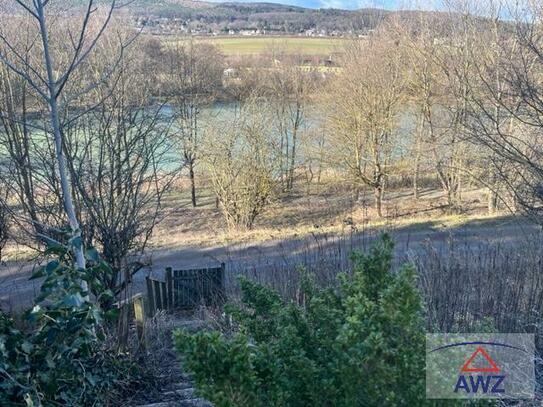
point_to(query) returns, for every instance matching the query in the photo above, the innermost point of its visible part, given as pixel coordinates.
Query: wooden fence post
(169, 287)
(152, 306)
(164, 294)
(157, 294)
(139, 315)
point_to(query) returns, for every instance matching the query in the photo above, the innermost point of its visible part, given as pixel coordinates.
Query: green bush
(62, 360)
(359, 345)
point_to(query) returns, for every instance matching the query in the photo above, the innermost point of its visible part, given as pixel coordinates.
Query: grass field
(258, 45)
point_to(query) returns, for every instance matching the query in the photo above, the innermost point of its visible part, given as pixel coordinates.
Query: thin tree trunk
(192, 183)
(59, 148)
(378, 194)
(290, 183)
(357, 193)
(492, 201)
(416, 177)
(417, 157)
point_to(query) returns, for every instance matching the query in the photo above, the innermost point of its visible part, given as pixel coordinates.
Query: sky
(352, 4)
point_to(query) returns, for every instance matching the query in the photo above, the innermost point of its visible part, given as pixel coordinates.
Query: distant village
(180, 26)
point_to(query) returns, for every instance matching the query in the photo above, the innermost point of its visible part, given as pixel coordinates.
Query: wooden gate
(186, 289)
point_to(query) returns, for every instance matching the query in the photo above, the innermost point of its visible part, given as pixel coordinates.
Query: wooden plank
(188, 288)
(169, 287)
(139, 315)
(164, 294)
(127, 301)
(194, 296)
(157, 294)
(151, 296)
(184, 292)
(176, 288)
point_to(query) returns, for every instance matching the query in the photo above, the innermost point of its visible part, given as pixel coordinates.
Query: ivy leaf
(28, 400)
(74, 300)
(35, 313)
(112, 314)
(92, 254)
(103, 268)
(51, 335)
(40, 272)
(91, 379)
(52, 266)
(53, 246)
(27, 347)
(76, 242)
(49, 361)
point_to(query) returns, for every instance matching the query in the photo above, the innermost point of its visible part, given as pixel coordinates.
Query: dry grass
(466, 283)
(327, 209)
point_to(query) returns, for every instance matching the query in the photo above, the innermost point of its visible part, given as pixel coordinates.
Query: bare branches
(364, 105)
(28, 9)
(193, 80)
(120, 164)
(51, 89)
(81, 54)
(505, 106)
(241, 160)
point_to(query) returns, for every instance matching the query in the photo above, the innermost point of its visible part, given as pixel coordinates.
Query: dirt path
(17, 291)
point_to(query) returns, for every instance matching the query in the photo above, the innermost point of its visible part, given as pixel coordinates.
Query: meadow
(232, 46)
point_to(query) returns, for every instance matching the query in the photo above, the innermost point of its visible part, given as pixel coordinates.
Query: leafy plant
(362, 344)
(62, 361)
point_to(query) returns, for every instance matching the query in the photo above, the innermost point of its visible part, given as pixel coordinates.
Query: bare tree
(27, 158)
(288, 89)
(193, 81)
(488, 56)
(121, 165)
(504, 104)
(364, 110)
(48, 78)
(437, 86)
(240, 157)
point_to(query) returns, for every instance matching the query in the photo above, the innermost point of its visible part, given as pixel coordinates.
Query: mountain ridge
(202, 16)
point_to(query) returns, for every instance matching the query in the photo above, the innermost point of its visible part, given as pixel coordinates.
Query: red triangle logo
(470, 369)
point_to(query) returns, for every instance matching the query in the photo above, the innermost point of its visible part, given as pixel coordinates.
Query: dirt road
(17, 291)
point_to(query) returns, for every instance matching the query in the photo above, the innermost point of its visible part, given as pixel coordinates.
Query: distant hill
(200, 17)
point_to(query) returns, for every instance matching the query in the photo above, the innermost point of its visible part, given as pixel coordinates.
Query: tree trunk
(418, 141)
(192, 184)
(357, 193)
(492, 201)
(290, 183)
(378, 194)
(450, 197)
(416, 178)
(59, 148)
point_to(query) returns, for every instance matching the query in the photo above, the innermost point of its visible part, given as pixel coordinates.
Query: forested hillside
(217, 17)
